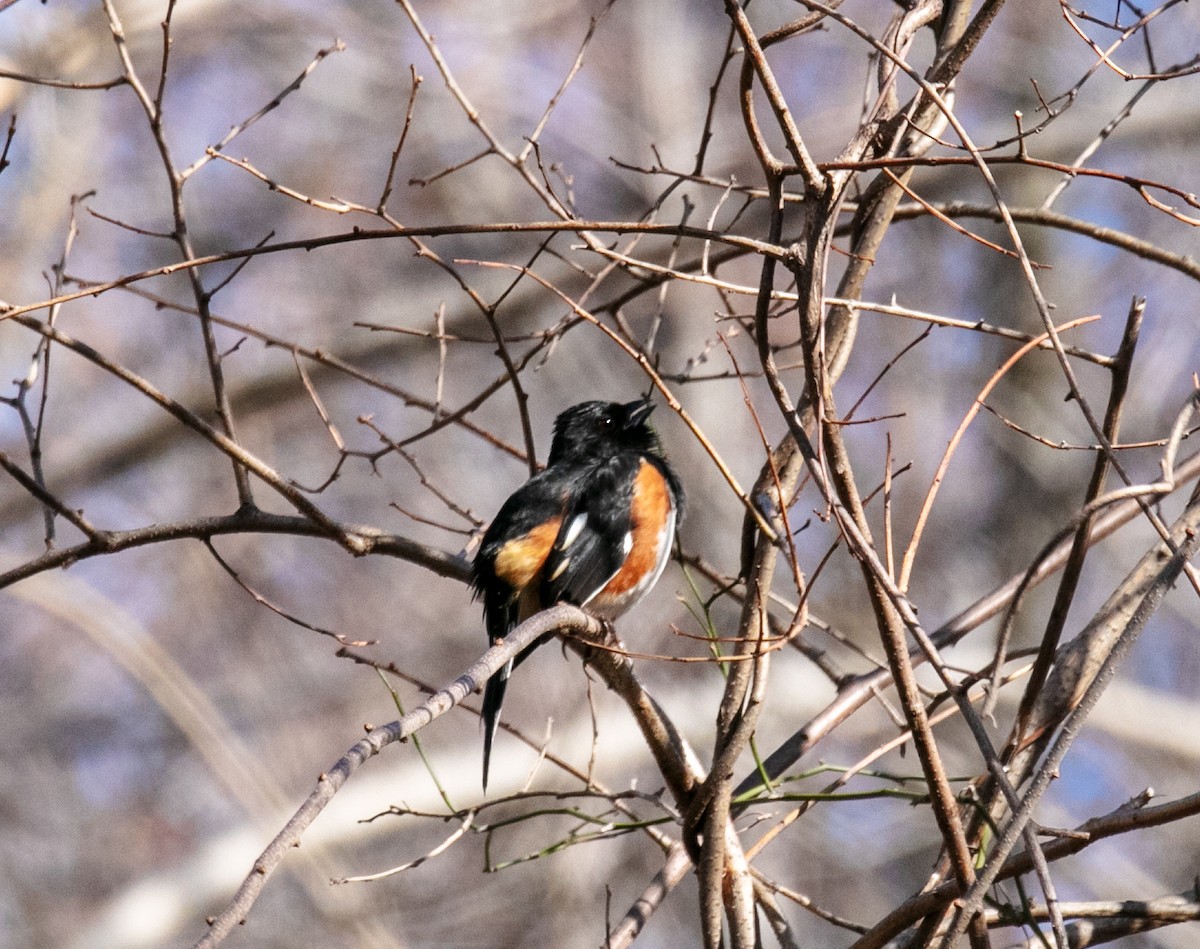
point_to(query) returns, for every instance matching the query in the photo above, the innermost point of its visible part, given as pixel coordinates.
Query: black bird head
(593, 431)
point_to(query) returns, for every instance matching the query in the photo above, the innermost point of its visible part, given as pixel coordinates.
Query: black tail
(493, 700)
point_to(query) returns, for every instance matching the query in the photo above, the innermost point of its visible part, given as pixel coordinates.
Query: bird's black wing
(515, 546)
(507, 571)
(595, 537)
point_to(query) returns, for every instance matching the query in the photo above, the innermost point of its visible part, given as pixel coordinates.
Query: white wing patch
(574, 529)
(568, 537)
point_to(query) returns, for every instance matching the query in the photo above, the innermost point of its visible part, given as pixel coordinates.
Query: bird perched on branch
(593, 529)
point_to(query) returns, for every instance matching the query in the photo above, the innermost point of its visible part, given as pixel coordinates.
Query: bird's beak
(638, 411)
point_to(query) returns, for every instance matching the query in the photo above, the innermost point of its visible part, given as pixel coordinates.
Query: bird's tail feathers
(493, 700)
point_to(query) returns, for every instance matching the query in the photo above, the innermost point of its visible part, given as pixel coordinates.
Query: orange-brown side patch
(519, 561)
(650, 509)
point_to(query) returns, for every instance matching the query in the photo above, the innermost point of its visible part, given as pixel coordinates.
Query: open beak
(638, 411)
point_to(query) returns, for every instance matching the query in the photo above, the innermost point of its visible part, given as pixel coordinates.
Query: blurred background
(160, 724)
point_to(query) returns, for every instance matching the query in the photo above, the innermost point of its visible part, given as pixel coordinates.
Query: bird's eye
(606, 423)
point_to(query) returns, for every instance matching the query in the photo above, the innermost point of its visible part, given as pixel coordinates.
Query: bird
(593, 529)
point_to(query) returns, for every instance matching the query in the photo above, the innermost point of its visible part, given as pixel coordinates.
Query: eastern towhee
(593, 529)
